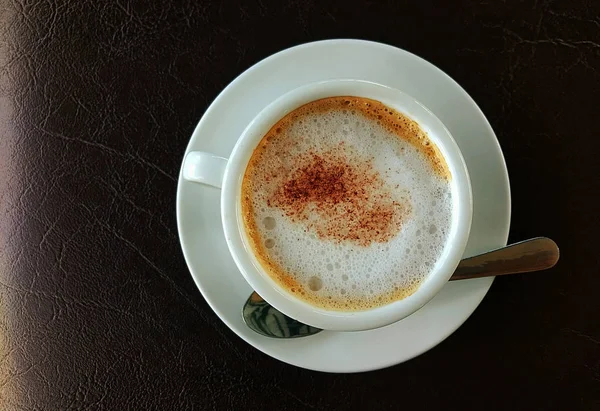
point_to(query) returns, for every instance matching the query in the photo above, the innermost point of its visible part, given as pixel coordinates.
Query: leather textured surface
(97, 102)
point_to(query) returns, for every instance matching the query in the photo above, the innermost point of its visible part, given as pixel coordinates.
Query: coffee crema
(346, 203)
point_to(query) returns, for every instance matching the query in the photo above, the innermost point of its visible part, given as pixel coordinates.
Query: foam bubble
(345, 274)
(269, 223)
(315, 283)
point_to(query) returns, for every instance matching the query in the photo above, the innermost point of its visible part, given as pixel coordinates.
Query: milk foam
(346, 275)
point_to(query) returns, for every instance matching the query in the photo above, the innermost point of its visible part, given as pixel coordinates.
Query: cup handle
(204, 168)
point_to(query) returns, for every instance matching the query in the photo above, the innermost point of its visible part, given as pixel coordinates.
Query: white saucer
(199, 222)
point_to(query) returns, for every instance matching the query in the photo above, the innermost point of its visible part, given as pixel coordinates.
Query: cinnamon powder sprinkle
(341, 200)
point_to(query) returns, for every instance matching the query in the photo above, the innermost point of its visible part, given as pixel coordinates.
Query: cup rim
(283, 300)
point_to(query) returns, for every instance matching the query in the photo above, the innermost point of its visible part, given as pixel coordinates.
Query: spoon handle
(535, 254)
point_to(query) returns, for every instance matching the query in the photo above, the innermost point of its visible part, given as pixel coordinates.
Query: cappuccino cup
(345, 204)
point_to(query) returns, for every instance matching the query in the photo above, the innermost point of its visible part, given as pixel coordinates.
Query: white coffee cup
(227, 174)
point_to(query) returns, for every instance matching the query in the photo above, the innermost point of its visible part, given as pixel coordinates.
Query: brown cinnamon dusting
(340, 200)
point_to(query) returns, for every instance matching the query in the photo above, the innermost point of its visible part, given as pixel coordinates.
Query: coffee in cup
(347, 204)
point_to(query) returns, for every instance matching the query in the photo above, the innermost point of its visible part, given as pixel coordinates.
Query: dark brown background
(98, 100)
